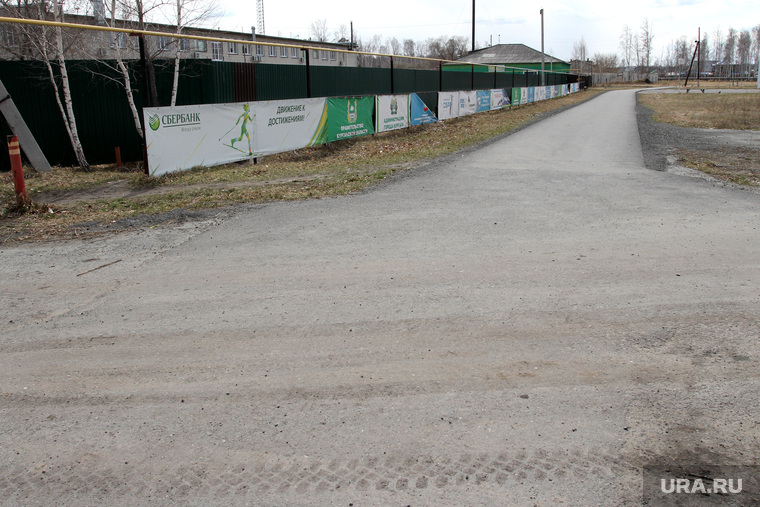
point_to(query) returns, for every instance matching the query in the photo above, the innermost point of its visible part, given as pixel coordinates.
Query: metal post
(543, 78)
(308, 75)
(18, 171)
(699, 54)
(392, 87)
(473, 26)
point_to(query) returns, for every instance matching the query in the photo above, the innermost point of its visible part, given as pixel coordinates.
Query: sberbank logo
(154, 122)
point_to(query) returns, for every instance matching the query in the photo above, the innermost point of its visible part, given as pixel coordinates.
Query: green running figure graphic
(246, 117)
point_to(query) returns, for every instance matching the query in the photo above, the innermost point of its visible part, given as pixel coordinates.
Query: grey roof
(506, 54)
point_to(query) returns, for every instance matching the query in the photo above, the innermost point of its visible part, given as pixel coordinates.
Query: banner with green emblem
(391, 112)
(349, 117)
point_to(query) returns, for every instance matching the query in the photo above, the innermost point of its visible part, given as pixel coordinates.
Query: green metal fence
(105, 122)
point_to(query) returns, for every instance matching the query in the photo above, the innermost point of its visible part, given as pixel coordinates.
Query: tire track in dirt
(103, 477)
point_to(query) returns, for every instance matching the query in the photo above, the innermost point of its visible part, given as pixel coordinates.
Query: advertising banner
(183, 137)
(484, 100)
(391, 112)
(448, 105)
(531, 94)
(540, 93)
(524, 96)
(349, 117)
(188, 136)
(517, 96)
(419, 112)
(285, 125)
(499, 99)
(468, 103)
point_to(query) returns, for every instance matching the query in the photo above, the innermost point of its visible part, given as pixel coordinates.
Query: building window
(163, 43)
(232, 48)
(294, 52)
(283, 52)
(324, 55)
(184, 44)
(315, 54)
(272, 51)
(201, 46)
(8, 36)
(259, 50)
(246, 49)
(342, 58)
(216, 51)
(332, 55)
(118, 40)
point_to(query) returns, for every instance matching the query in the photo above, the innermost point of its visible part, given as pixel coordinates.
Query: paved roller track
(528, 323)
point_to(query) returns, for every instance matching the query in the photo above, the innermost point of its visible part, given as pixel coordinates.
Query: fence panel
(279, 82)
(327, 81)
(452, 81)
(415, 80)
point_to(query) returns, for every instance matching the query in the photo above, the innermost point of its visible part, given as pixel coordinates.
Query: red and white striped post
(18, 172)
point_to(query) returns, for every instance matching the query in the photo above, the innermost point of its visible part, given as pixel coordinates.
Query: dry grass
(740, 166)
(735, 111)
(108, 196)
(738, 111)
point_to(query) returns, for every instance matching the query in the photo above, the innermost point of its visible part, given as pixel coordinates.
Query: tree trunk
(175, 83)
(130, 95)
(125, 76)
(66, 107)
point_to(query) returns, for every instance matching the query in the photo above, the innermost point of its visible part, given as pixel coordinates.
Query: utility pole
(473, 26)
(543, 56)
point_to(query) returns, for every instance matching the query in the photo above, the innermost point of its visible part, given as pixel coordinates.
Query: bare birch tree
(189, 13)
(626, 45)
(645, 40)
(580, 50)
(48, 45)
(318, 30)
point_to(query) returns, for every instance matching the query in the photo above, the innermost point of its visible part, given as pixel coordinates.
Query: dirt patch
(736, 165)
(728, 155)
(125, 190)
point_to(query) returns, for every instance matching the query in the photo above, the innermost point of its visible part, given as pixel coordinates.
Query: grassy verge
(735, 165)
(738, 111)
(67, 198)
(711, 110)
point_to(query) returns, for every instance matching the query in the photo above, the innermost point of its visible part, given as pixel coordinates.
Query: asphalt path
(526, 323)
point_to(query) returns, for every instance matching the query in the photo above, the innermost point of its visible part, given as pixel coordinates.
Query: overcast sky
(599, 22)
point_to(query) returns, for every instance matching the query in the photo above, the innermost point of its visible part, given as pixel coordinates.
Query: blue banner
(484, 101)
(419, 112)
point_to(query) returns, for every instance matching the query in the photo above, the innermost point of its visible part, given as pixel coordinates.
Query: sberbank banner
(349, 117)
(183, 137)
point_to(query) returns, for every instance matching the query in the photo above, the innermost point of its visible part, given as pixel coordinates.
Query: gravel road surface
(526, 323)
